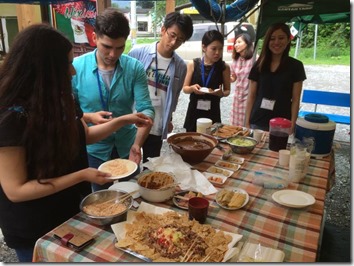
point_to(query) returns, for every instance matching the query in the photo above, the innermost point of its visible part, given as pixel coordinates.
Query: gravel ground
(338, 199)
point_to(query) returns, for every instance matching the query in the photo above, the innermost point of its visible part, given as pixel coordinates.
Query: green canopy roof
(304, 11)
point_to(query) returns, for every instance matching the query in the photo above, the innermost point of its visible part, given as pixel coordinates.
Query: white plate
(131, 168)
(204, 89)
(293, 198)
(239, 190)
(209, 175)
(220, 171)
(228, 165)
(127, 187)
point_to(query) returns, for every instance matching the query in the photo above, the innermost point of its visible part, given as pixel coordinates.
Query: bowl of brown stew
(192, 146)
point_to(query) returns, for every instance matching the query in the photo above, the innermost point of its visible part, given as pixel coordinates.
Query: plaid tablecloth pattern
(295, 231)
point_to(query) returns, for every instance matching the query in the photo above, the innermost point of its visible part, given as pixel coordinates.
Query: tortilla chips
(167, 238)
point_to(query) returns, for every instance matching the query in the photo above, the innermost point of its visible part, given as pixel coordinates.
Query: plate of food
(220, 171)
(228, 165)
(118, 168)
(181, 198)
(172, 237)
(226, 131)
(232, 199)
(215, 179)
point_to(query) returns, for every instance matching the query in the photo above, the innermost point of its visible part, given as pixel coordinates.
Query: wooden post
(102, 5)
(27, 15)
(170, 6)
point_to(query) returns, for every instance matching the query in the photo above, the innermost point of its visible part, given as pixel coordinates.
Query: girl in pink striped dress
(241, 65)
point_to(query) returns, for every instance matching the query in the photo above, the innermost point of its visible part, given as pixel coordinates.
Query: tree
(145, 4)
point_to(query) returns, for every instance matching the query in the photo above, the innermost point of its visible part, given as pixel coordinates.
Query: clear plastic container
(279, 131)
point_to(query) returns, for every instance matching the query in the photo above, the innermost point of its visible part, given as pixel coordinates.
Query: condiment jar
(279, 131)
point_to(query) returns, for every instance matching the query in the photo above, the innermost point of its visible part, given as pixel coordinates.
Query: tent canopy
(304, 11)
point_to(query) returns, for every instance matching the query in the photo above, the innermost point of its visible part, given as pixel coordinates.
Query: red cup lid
(280, 122)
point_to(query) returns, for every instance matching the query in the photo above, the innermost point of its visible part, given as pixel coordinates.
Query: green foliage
(128, 43)
(328, 36)
(145, 4)
(333, 45)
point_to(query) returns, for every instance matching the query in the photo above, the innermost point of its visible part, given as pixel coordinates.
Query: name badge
(204, 105)
(155, 100)
(267, 104)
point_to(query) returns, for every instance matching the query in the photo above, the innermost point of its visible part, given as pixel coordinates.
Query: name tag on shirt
(267, 104)
(204, 105)
(156, 100)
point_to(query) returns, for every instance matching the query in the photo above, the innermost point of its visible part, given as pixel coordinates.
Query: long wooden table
(297, 232)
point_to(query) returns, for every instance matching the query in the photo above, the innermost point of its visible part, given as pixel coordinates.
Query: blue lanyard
(205, 84)
(103, 102)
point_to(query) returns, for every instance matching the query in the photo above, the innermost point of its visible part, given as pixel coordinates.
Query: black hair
(35, 76)
(265, 58)
(182, 21)
(211, 36)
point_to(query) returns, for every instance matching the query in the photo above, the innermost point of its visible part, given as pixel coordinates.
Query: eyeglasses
(173, 37)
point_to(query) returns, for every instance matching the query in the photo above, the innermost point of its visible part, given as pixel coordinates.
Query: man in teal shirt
(110, 84)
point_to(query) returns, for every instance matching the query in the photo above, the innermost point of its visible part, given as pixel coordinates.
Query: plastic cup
(284, 157)
(198, 209)
(258, 134)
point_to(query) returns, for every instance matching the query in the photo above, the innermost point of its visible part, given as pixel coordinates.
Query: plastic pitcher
(279, 131)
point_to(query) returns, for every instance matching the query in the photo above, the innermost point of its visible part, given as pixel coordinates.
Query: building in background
(8, 26)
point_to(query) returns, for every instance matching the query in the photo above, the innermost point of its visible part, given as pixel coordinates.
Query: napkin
(188, 179)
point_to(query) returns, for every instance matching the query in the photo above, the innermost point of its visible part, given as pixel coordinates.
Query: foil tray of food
(163, 235)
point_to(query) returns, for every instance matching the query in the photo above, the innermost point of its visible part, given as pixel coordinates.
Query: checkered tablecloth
(296, 232)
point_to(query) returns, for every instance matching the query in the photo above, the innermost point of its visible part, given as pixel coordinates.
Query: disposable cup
(258, 134)
(198, 209)
(284, 157)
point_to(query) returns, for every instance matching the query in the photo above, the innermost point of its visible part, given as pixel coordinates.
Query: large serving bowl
(241, 144)
(102, 196)
(156, 186)
(192, 146)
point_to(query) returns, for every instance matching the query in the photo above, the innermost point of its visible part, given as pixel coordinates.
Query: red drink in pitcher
(279, 131)
(278, 140)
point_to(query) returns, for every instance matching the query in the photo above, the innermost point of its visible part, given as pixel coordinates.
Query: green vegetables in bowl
(241, 144)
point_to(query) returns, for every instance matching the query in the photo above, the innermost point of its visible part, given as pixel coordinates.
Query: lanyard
(103, 102)
(157, 71)
(205, 84)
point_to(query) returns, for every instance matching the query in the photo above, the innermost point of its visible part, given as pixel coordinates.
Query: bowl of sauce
(193, 147)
